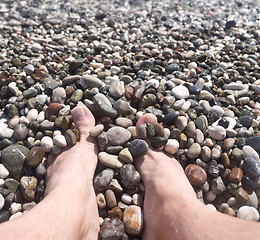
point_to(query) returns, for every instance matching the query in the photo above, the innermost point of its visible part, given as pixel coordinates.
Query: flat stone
(124, 122)
(32, 115)
(103, 106)
(92, 82)
(110, 198)
(28, 186)
(217, 185)
(71, 137)
(109, 160)
(115, 212)
(130, 178)
(13, 158)
(60, 141)
(20, 132)
(34, 156)
(139, 147)
(133, 220)
(116, 89)
(217, 132)
(246, 121)
(241, 195)
(196, 175)
(202, 123)
(118, 136)
(112, 229)
(95, 131)
(102, 180)
(248, 213)
(180, 92)
(194, 151)
(59, 95)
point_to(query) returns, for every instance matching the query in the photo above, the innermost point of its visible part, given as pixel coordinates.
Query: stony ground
(193, 64)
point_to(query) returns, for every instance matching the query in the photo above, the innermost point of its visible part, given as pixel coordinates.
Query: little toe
(84, 120)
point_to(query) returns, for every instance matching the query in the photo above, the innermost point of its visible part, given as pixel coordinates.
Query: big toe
(84, 120)
(146, 118)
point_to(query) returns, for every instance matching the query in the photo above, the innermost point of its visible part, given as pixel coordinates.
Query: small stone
(229, 211)
(196, 175)
(32, 115)
(235, 175)
(118, 136)
(92, 82)
(13, 158)
(103, 179)
(159, 130)
(112, 229)
(60, 141)
(180, 92)
(28, 187)
(237, 154)
(71, 137)
(138, 199)
(130, 178)
(2, 201)
(133, 220)
(110, 198)
(109, 160)
(241, 195)
(217, 132)
(254, 142)
(248, 213)
(170, 118)
(205, 153)
(250, 152)
(59, 95)
(95, 131)
(194, 151)
(181, 123)
(101, 201)
(126, 156)
(139, 147)
(246, 121)
(217, 185)
(116, 89)
(142, 133)
(34, 156)
(76, 96)
(4, 173)
(171, 146)
(20, 132)
(115, 186)
(115, 212)
(46, 143)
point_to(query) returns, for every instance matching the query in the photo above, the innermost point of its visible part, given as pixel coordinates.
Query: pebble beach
(193, 64)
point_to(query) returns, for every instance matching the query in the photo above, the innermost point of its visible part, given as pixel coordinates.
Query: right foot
(166, 188)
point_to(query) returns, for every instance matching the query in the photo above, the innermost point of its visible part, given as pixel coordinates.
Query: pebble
(180, 92)
(194, 151)
(217, 132)
(112, 229)
(28, 187)
(171, 146)
(196, 175)
(110, 160)
(251, 167)
(2, 201)
(60, 141)
(130, 178)
(248, 213)
(118, 136)
(102, 180)
(110, 198)
(4, 173)
(95, 131)
(235, 175)
(126, 156)
(138, 147)
(133, 220)
(47, 143)
(20, 132)
(32, 115)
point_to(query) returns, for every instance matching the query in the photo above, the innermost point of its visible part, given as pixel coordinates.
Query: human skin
(171, 209)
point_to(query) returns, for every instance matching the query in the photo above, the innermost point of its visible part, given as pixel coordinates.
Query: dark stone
(213, 117)
(171, 68)
(246, 121)
(13, 158)
(194, 90)
(213, 168)
(158, 142)
(248, 184)
(103, 179)
(230, 24)
(223, 122)
(170, 118)
(251, 167)
(254, 142)
(20, 132)
(139, 147)
(4, 216)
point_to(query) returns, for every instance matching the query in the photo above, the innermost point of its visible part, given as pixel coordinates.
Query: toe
(146, 118)
(83, 120)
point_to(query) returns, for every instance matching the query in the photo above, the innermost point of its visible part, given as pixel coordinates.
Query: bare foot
(69, 209)
(166, 187)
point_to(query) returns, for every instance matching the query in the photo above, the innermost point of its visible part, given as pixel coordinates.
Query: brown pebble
(235, 175)
(69, 90)
(159, 97)
(183, 140)
(71, 138)
(34, 156)
(241, 195)
(110, 198)
(159, 131)
(230, 211)
(66, 122)
(53, 109)
(115, 212)
(196, 175)
(225, 159)
(129, 91)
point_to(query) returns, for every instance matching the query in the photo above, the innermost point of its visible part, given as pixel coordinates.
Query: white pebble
(248, 213)
(16, 207)
(180, 92)
(95, 131)
(2, 201)
(217, 132)
(24, 120)
(250, 152)
(56, 133)
(16, 215)
(60, 141)
(171, 146)
(3, 171)
(32, 115)
(2, 182)
(46, 143)
(210, 196)
(40, 117)
(126, 198)
(211, 206)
